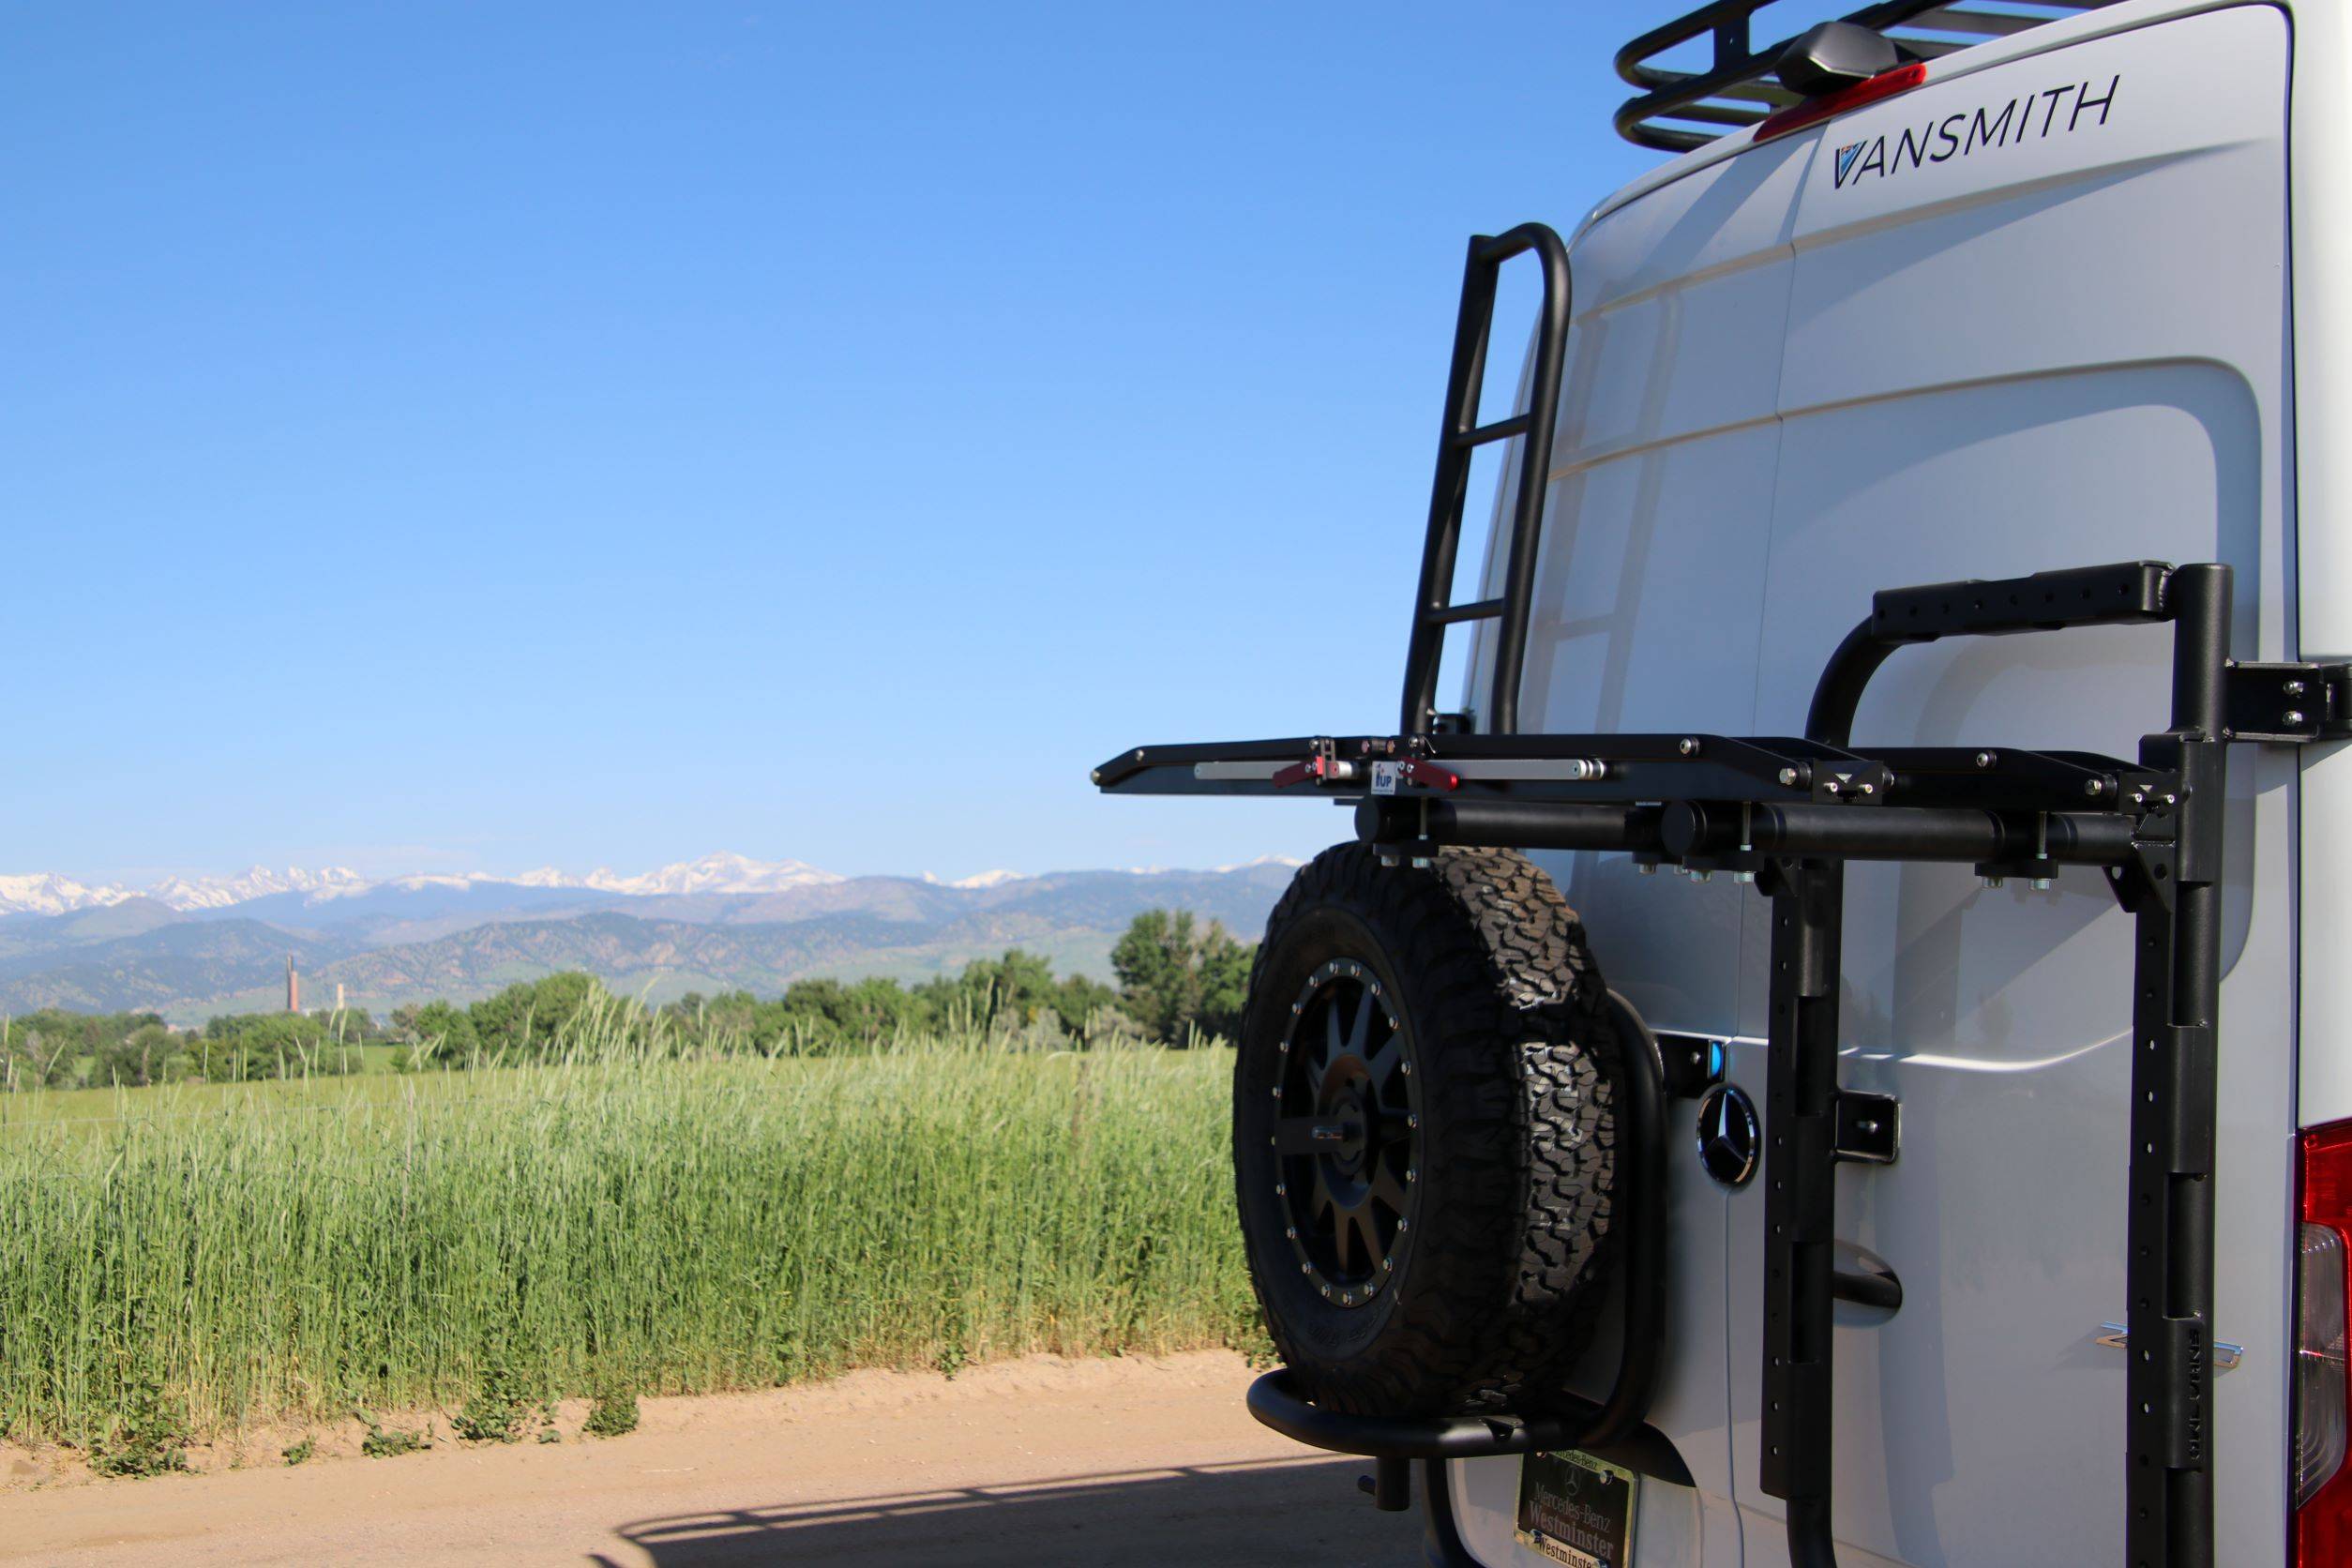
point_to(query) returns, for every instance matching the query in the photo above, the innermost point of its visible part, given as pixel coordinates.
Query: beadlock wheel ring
(1346, 1133)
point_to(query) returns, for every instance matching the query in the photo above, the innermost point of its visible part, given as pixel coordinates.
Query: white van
(1930, 1140)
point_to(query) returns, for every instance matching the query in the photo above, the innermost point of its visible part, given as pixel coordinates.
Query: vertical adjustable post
(2174, 891)
(1800, 1198)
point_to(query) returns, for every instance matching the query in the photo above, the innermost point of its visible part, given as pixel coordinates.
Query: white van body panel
(1786, 391)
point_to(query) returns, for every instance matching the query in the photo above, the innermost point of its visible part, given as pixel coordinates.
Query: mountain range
(189, 947)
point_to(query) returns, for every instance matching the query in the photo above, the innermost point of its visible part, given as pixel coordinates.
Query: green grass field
(280, 1251)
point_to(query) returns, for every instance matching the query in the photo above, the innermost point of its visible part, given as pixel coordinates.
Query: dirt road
(1108, 1464)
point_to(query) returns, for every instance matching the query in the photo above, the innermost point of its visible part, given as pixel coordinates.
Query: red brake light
(1830, 105)
(2323, 1324)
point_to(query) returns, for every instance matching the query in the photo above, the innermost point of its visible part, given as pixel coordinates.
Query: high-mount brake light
(1831, 105)
(2323, 1321)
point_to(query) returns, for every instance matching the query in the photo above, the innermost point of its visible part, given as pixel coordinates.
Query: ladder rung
(1483, 610)
(1501, 430)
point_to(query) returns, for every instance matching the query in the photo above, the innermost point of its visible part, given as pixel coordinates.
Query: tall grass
(274, 1251)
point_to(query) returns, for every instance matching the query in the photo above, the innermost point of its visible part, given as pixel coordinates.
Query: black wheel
(1423, 1144)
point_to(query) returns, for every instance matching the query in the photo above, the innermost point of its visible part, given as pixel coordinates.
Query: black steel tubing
(2176, 994)
(1507, 825)
(1838, 693)
(1962, 835)
(1276, 1402)
(1933, 833)
(1644, 1234)
(1801, 1200)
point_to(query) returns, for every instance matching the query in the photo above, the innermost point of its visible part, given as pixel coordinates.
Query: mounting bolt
(2295, 715)
(1865, 790)
(1991, 881)
(1420, 863)
(1789, 776)
(2295, 689)
(1647, 867)
(1139, 754)
(1702, 875)
(1282, 1191)
(2094, 788)
(1984, 758)
(1832, 788)
(1743, 876)
(2041, 884)
(1291, 1232)
(1095, 775)
(1391, 860)
(1689, 747)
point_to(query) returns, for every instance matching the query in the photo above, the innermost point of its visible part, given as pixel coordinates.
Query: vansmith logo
(2059, 111)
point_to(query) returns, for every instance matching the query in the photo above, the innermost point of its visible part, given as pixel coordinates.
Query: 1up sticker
(1384, 779)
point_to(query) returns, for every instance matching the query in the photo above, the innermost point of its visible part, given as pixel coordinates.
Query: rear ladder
(1460, 438)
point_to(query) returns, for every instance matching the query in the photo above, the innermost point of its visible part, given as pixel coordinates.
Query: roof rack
(1679, 110)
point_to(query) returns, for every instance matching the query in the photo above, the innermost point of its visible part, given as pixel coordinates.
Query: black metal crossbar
(1788, 812)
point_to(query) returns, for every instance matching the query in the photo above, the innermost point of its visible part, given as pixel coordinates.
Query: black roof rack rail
(1679, 110)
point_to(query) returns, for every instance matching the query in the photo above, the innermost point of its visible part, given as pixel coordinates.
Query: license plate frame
(1577, 1510)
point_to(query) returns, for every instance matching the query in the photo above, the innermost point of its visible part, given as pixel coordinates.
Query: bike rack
(1787, 812)
(1790, 812)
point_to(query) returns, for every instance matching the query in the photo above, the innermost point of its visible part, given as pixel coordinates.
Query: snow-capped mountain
(50, 893)
(979, 879)
(259, 882)
(47, 893)
(714, 873)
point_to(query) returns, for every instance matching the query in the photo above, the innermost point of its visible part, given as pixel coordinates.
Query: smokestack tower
(294, 986)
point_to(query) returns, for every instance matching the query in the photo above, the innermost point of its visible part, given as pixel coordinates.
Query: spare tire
(1423, 1137)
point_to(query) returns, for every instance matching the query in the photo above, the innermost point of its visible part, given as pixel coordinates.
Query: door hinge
(2290, 703)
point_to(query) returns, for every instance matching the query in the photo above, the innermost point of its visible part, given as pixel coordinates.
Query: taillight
(2322, 1400)
(1812, 111)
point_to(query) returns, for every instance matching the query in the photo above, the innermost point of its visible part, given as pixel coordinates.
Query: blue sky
(446, 437)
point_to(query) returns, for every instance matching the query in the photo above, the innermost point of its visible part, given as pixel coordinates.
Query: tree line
(1178, 979)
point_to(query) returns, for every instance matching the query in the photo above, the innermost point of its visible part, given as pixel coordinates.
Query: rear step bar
(1788, 812)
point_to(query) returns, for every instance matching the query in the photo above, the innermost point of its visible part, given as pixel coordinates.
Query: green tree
(438, 1035)
(136, 1060)
(1176, 976)
(527, 1018)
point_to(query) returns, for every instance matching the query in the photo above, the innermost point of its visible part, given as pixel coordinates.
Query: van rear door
(2038, 319)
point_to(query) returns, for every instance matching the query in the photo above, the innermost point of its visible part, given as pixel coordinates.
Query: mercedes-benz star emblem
(1728, 1139)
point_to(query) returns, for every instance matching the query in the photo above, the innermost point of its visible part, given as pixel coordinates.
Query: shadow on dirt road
(1305, 1512)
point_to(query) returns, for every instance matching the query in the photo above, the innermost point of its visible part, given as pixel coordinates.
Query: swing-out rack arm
(1789, 811)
